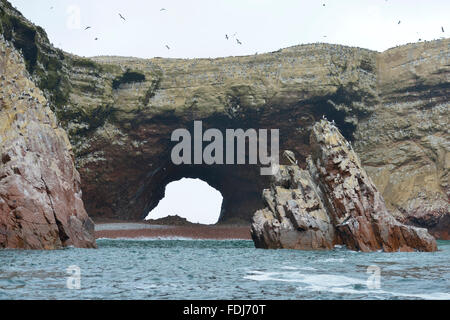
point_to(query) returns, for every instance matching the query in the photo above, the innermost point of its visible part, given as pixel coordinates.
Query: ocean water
(226, 269)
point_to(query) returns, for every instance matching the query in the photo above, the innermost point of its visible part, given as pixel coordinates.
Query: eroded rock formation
(40, 195)
(119, 114)
(405, 143)
(333, 202)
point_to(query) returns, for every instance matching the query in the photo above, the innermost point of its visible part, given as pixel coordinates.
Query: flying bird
(87, 28)
(442, 29)
(168, 48)
(238, 41)
(96, 39)
(162, 9)
(121, 16)
(226, 36)
(398, 22)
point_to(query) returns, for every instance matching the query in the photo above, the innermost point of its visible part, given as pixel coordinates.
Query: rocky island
(102, 126)
(332, 202)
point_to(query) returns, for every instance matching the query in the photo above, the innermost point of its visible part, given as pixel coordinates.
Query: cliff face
(333, 202)
(119, 114)
(397, 98)
(287, 90)
(405, 143)
(40, 195)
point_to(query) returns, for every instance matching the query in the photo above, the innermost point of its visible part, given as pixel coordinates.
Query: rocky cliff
(405, 143)
(333, 202)
(40, 195)
(119, 114)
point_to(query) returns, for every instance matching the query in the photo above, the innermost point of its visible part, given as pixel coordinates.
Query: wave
(298, 268)
(336, 284)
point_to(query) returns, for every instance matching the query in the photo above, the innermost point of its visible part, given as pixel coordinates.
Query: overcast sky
(192, 199)
(197, 28)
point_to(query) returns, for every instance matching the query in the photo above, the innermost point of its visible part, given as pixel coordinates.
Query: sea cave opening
(192, 199)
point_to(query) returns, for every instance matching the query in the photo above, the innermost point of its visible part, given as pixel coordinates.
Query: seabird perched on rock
(121, 16)
(290, 156)
(343, 221)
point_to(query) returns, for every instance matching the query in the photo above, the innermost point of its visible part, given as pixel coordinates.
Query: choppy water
(229, 269)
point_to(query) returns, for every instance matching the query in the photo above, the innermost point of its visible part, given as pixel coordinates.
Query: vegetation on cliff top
(44, 62)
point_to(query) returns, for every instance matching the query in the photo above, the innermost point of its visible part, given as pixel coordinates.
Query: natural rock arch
(142, 187)
(120, 112)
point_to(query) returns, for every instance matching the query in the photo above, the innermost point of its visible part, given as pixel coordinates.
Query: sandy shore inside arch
(194, 231)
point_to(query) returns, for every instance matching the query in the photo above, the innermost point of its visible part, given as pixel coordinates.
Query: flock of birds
(227, 37)
(120, 15)
(124, 19)
(167, 46)
(233, 36)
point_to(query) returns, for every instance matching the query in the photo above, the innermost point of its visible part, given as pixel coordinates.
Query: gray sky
(197, 28)
(192, 199)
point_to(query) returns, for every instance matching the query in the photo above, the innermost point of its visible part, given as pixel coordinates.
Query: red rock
(40, 195)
